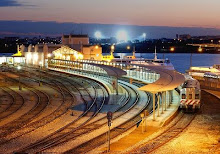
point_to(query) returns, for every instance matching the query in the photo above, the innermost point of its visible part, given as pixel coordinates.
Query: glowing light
(29, 56)
(96, 47)
(98, 35)
(144, 35)
(122, 36)
(78, 56)
(128, 47)
(35, 56)
(19, 67)
(112, 47)
(200, 49)
(172, 49)
(49, 55)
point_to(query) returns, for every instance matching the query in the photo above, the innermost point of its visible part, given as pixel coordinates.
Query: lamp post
(19, 85)
(142, 119)
(109, 117)
(41, 64)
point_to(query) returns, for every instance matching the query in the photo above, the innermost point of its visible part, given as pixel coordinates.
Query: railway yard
(56, 112)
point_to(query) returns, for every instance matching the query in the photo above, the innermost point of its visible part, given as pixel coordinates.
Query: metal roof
(169, 79)
(111, 71)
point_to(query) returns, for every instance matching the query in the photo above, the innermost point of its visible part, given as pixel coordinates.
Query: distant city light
(200, 49)
(122, 36)
(98, 34)
(144, 36)
(112, 47)
(172, 49)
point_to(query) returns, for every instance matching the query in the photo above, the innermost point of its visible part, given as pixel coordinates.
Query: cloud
(10, 3)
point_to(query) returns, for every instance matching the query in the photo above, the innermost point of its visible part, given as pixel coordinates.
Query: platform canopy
(111, 71)
(169, 80)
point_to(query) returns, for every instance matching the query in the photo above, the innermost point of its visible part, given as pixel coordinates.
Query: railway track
(166, 136)
(6, 100)
(54, 143)
(64, 133)
(34, 125)
(43, 101)
(16, 103)
(68, 137)
(98, 125)
(115, 132)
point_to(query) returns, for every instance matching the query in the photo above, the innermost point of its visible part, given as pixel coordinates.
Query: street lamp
(19, 85)
(109, 117)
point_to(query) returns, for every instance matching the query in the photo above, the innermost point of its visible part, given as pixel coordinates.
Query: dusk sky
(184, 13)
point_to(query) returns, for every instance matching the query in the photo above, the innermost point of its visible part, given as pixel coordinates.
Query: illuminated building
(73, 47)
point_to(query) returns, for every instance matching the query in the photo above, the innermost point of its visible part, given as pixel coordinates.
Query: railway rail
(16, 103)
(167, 135)
(61, 110)
(42, 103)
(64, 140)
(69, 129)
(92, 111)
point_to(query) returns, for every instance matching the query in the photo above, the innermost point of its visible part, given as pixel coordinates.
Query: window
(183, 96)
(197, 96)
(190, 96)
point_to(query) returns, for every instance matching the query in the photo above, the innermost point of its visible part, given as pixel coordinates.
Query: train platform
(215, 93)
(139, 135)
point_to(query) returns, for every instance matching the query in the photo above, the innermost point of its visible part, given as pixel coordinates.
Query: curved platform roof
(169, 80)
(111, 71)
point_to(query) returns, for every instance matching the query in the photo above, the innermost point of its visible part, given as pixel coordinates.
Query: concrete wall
(92, 53)
(75, 39)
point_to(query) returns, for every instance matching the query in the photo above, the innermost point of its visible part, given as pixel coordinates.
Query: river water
(181, 61)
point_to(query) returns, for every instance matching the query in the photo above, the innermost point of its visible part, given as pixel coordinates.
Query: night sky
(171, 13)
(199, 13)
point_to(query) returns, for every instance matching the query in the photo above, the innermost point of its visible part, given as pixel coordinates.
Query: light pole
(41, 64)
(142, 119)
(19, 85)
(109, 117)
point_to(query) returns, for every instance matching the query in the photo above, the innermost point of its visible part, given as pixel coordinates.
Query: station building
(73, 47)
